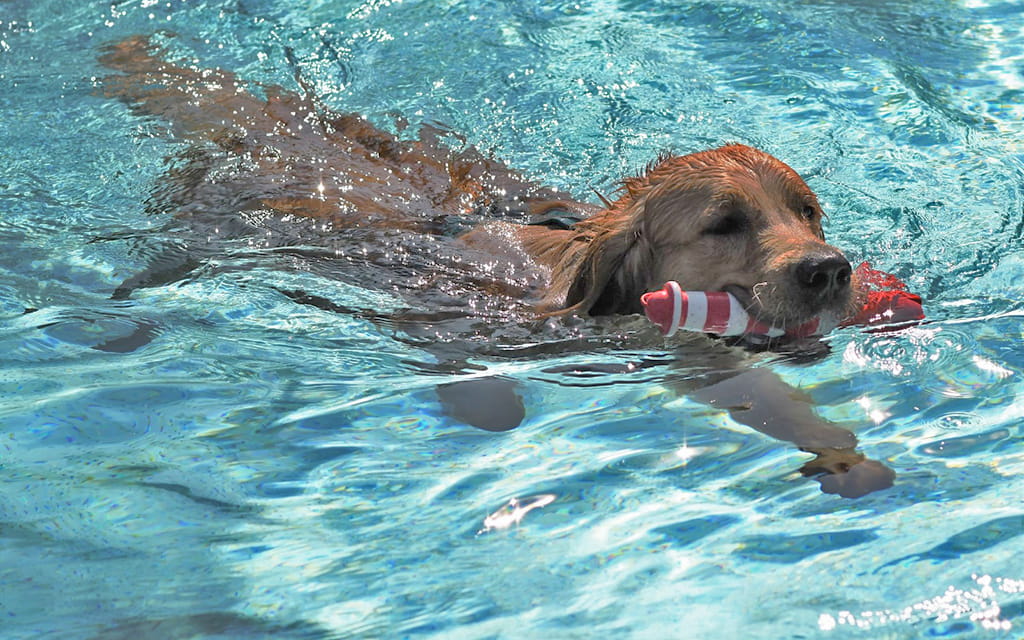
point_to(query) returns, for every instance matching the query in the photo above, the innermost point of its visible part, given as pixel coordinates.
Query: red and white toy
(887, 303)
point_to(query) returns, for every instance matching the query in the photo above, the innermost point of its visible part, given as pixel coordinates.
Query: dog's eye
(808, 212)
(727, 225)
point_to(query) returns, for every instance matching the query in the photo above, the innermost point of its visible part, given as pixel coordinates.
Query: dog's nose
(824, 274)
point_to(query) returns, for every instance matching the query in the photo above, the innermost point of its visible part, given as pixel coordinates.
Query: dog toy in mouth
(887, 303)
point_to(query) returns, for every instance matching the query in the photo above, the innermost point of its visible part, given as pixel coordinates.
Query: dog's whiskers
(755, 292)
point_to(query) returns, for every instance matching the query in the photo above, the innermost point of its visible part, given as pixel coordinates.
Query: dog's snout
(824, 274)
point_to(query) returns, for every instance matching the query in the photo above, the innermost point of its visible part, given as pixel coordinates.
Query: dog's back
(279, 169)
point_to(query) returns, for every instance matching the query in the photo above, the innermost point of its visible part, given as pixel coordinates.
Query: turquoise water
(209, 459)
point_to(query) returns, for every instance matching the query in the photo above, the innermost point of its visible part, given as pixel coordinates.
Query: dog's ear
(611, 275)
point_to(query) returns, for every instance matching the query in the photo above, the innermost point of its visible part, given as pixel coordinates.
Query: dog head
(730, 219)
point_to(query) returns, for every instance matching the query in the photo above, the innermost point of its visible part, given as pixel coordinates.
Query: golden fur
(729, 219)
(733, 219)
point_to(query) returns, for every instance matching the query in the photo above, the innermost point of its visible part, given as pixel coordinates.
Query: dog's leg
(760, 399)
(491, 403)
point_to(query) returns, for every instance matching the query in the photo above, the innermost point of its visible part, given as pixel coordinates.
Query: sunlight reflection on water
(208, 458)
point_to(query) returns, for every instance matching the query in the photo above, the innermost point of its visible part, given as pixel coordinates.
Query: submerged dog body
(732, 219)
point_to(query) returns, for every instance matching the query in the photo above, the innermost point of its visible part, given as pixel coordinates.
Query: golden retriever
(729, 219)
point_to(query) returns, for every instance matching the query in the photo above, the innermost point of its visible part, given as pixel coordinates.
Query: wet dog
(730, 219)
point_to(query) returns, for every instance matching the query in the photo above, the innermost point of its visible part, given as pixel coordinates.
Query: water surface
(207, 458)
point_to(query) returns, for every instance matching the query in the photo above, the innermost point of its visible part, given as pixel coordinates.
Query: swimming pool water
(208, 459)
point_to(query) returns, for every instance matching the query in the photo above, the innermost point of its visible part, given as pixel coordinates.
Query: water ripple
(261, 410)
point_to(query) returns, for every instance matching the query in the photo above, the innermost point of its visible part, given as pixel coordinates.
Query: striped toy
(887, 302)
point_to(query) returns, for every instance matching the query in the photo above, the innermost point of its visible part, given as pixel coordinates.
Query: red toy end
(887, 302)
(664, 307)
(889, 307)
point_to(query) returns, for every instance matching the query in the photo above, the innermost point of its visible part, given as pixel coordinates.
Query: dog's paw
(861, 479)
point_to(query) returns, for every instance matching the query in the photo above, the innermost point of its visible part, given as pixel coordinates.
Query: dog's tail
(210, 104)
(321, 151)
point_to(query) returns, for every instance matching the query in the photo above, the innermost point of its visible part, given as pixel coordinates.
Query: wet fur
(304, 161)
(661, 228)
(733, 218)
